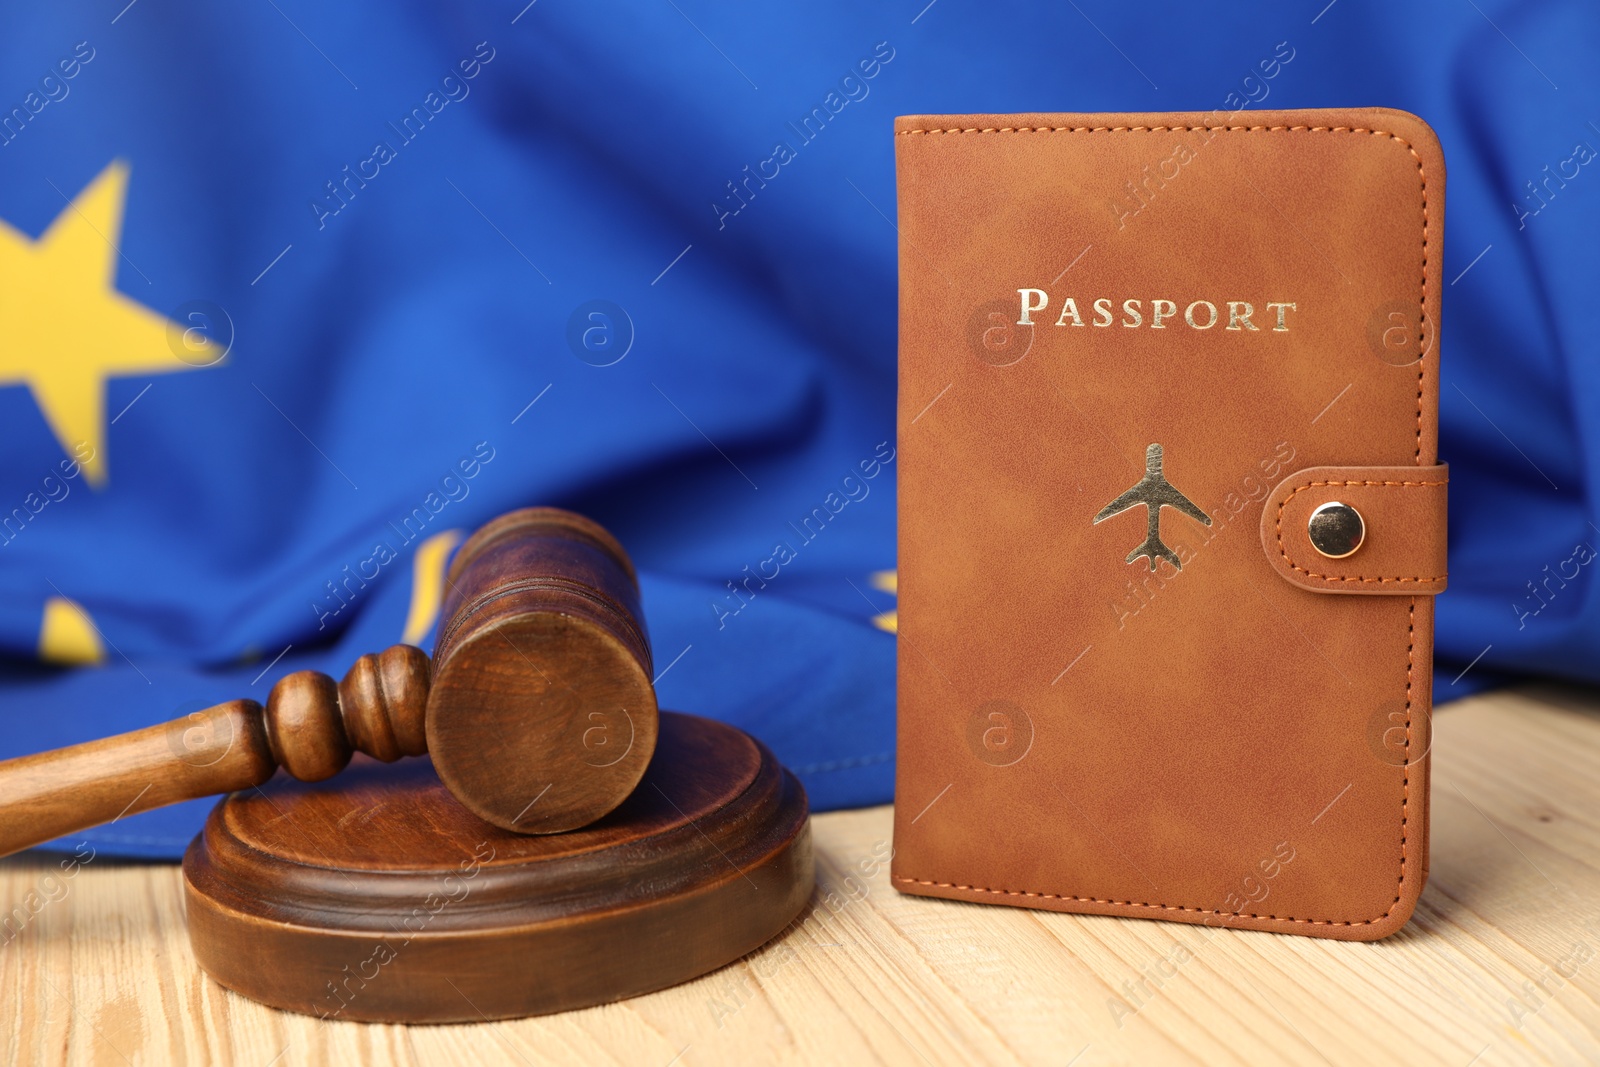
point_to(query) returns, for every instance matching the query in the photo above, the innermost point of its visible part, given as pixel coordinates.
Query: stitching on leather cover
(1158, 907)
(1284, 552)
(1422, 300)
(1153, 129)
(1422, 362)
(1405, 771)
(1405, 802)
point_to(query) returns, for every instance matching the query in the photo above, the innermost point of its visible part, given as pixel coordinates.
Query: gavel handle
(217, 750)
(310, 727)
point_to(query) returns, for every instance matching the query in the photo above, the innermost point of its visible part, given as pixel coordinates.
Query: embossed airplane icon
(1154, 492)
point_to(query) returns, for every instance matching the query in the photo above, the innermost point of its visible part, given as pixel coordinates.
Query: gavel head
(541, 716)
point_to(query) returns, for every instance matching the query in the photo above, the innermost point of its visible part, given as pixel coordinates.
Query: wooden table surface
(1499, 965)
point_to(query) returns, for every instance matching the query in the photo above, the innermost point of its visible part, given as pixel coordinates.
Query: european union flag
(294, 296)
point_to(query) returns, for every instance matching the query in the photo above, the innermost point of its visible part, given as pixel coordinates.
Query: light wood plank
(1500, 966)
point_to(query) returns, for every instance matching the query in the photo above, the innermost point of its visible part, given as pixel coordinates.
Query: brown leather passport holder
(1171, 518)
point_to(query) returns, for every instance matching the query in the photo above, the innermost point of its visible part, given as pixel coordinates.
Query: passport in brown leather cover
(1137, 353)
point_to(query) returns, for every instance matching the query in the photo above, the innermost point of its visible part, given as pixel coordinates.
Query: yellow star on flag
(64, 328)
(888, 582)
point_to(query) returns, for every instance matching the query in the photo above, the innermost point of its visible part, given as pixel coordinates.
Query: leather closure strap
(1402, 510)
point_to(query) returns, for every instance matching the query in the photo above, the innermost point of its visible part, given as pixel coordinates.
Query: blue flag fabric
(293, 296)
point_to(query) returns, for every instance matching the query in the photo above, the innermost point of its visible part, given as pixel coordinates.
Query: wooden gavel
(537, 707)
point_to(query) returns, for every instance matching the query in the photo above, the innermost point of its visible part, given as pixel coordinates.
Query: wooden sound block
(377, 896)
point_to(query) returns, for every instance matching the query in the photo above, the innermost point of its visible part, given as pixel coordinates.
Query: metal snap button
(1336, 530)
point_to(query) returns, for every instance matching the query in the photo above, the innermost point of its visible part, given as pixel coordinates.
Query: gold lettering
(1069, 308)
(1199, 314)
(1028, 307)
(1188, 314)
